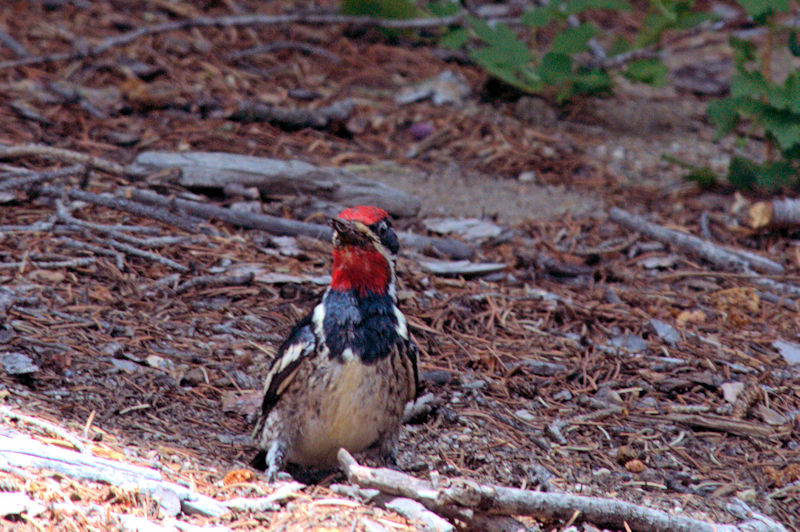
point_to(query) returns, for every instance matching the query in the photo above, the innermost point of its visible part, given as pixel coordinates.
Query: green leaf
(555, 68)
(758, 8)
(752, 84)
(620, 46)
(455, 39)
(794, 46)
(776, 175)
(537, 17)
(724, 114)
(742, 173)
(391, 9)
(650, 71)
(743, 51)
(444, 8)
(783, 126)
(704, 176)
(574, 40)
(591, 82)
(574, 7)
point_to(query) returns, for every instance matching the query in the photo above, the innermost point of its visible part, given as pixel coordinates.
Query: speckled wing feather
(412, 354)
(299, 345)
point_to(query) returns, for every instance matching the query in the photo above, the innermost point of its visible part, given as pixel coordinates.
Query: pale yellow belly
(354, 406)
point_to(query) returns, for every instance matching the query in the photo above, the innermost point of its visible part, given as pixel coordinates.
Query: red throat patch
(365, 214)
(363, 270)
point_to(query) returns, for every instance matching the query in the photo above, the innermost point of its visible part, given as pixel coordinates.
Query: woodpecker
(346, 370)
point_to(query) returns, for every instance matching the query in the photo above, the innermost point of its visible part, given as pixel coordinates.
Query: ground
(564, 334)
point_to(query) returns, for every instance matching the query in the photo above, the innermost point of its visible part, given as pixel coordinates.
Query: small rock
(18, 363)
(168, 500)
(524, 415)
(155, 361)
(563, 395)
(124, 365)
(629, 342)
(790, 351)
(193, 377)
(528, 176)
(16, 503)
(420, 130)
(474, 385)
(112, 349)
(445, 88)
(601, 473)
(253, 207)
(467, 228)
(659, 261)
(665, 331)
(731, 390)
(544, 369)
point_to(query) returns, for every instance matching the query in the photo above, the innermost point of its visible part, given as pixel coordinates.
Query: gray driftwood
(19, 450)
(276, 177)
(727, 258)
(282, 226)
(464, 499)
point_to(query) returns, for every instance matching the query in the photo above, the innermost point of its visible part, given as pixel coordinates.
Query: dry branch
(226, 22)
(28, 178)
(187, 223)
(286, 45)
(60, 154)
(277, 177)
(460, 496)
(282, 226)
(727, 258)
(19, 450)
(775, 214)
(294, 117)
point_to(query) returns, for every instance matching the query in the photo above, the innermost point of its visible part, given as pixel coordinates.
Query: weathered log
(19, 450)
(459, 498)
(281, 226)
(775, 214)
(724, 257)
(276, 177)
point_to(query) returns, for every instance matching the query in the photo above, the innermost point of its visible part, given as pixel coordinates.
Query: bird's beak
(348, 232)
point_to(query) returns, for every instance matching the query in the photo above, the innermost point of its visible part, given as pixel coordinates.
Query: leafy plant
(562, 70)
(773, 106)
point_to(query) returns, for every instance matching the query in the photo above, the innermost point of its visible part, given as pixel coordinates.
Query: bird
(344, 374)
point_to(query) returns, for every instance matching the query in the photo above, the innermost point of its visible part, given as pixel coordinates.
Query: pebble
(524, 415)
(527, 177)
(630, 342)
(18, 363)
(665, 331)
(474, 385)
(563, 395)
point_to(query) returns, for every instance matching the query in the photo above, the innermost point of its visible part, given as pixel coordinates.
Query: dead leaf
(740, 298)
(238, 476)
(635, 466)
(50, 276)
(770, 416)
(691, 316)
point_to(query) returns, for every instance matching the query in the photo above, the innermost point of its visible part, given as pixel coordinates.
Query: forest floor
(573, 330)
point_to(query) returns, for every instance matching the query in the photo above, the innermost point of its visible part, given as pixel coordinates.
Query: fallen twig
(730, 259)
(9, 42)
(230, 21)
(286, 45)
(557, 425)
(46, 425)
(282, 226)
(60, 154)
(187, 223)
(216, 280)
(56, 264)
(130, 250)
(460, 498)
(294, 117)
(31, 177)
